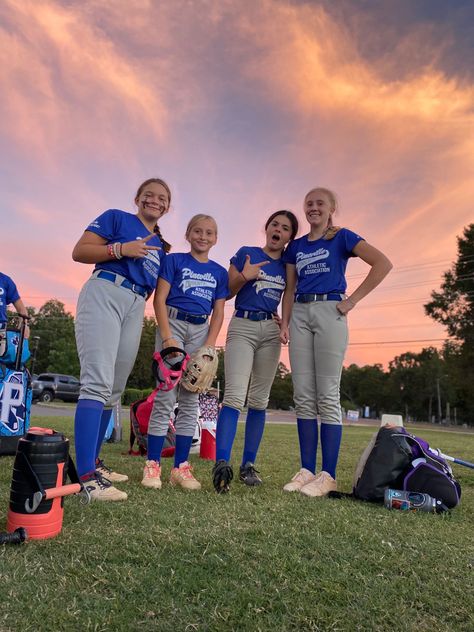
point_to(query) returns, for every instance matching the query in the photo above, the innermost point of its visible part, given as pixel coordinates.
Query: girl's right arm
(237, 279)
(161, 314)
(92, 248)
(287, 302)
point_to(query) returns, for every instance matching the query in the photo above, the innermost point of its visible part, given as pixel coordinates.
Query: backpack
(140, 412)
(16, 394)
(397, 459)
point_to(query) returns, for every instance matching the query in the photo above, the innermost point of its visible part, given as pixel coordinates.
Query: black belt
(111, 276)
(194, 319)
(311, 298)
(242, 313)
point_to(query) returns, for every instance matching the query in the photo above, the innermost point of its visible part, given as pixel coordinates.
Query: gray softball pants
(108, 328)
(252, 352)
(189, 337)
(318, 341)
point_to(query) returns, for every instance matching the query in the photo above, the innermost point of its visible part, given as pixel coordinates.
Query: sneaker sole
(152, 484)
(109, 499)
(188, 489)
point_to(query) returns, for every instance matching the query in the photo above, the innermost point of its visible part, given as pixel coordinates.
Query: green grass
(256, 559)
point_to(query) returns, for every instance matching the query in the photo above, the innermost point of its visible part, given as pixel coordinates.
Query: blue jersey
(264, 293)
(194, 285)
(8, 294)
(321, 264)
(115, 225)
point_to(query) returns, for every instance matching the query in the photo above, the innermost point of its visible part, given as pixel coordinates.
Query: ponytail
(166, 245)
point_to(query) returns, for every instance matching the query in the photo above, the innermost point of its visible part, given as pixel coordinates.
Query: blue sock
(86, 432)
(330, 442)
(254, 427)
(225, 432)
(183, 445)
(155, 446)
(308, 436)
(104, 424)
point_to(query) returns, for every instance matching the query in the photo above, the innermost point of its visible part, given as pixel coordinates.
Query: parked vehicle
(48, 386)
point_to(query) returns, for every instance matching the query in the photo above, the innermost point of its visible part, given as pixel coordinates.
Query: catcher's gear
(222, 474)
(168, 371)
(201, 370)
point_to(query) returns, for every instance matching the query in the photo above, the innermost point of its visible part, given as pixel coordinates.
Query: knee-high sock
(155, 446)
(104, 424)
(254, 427)
(330, 443)
(308, 436)
(225, 432)
(183, 445)
(86, 432)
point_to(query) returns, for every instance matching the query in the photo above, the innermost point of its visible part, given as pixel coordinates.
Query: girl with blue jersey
(315, 300)
(257, 278)
(189, 307)
(127, 250)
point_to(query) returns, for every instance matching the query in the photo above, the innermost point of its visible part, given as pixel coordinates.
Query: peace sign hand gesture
(138, 248)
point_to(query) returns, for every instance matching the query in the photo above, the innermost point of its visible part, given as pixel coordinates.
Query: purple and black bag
(399, 460)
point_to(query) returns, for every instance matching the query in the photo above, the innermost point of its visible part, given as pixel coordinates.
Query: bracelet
(246, 280)
(117, 247)
(110, 251)
(166, 339)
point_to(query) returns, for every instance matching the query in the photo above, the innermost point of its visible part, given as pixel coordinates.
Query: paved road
(59, 409)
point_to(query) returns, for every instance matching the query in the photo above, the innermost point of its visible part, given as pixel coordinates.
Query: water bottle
(411, 501)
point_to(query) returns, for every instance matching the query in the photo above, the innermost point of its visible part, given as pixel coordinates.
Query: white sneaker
(152, 474)
(320, 486)
(99, 488)
(301, 478)
(183, 476)
(109, 473)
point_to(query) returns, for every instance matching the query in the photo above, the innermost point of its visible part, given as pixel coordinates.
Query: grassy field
(256, 559)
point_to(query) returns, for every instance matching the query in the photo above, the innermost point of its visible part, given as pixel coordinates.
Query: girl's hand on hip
(345, 306)
(284, 334)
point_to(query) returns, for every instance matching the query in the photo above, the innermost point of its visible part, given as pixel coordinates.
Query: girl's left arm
(215, 324)
(380, 266)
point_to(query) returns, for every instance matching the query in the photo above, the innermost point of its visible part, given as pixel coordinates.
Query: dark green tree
(453, 306)
(52, 331)
(141, 376)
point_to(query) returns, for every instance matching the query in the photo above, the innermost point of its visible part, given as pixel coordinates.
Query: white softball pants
(318, 341)
(252, 352)
(108, 328)
(189, 337)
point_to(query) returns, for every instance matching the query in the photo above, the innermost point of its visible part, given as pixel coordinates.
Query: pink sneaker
(321, 485)
(152, 475)
(183, 476)
(301, 478)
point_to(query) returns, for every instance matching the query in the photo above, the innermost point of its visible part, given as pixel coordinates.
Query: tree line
(432, 385)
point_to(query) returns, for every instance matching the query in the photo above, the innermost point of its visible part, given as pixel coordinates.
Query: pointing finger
(148, 237)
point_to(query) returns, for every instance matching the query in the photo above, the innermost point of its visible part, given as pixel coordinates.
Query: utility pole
(438, 393)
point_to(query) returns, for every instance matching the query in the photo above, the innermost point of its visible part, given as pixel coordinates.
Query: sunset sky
(242, 107)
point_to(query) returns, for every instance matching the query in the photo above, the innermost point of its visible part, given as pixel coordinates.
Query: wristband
(117, 250)
(166, 339)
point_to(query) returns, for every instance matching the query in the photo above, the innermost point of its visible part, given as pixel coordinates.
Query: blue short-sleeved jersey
(115, 225)
(194, 285)
(8, 294)
(264, 293)
(321, 264)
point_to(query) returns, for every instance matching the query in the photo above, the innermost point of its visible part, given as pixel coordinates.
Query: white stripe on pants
(189, 337)
(318, 341)
(252, 352)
